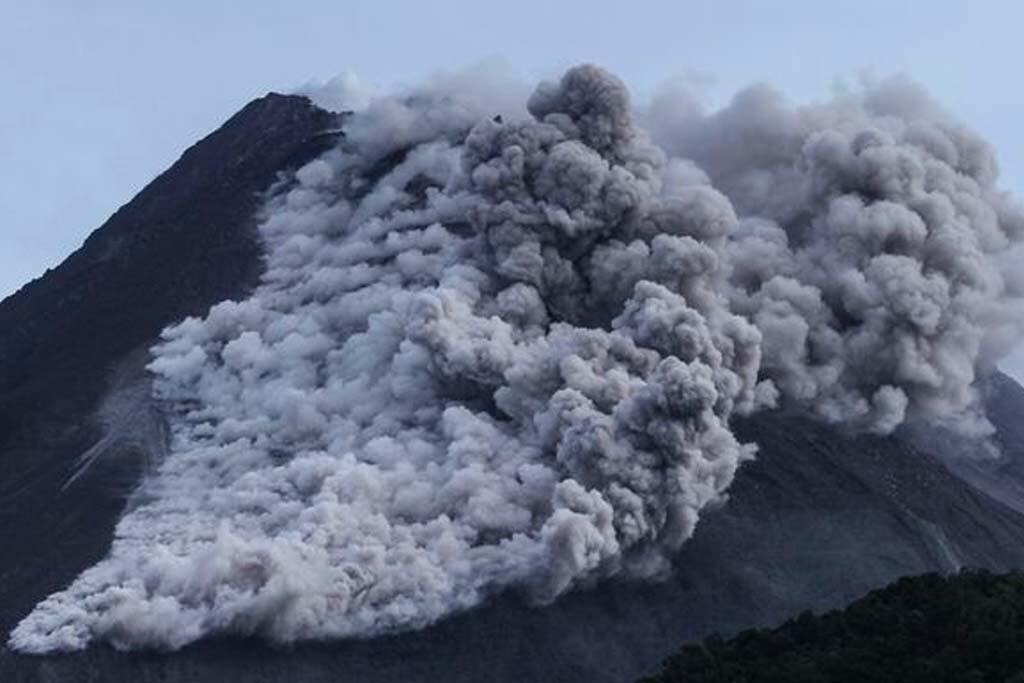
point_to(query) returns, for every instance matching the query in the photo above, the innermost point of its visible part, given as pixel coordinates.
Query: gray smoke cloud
(501, 353)
(876, 255)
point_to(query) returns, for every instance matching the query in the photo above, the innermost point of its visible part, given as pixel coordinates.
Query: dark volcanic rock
(184, 243)
(818, 519)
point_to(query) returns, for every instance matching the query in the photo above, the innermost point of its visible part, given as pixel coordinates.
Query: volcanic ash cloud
(495, 357)
(501, 353)
(876, 255)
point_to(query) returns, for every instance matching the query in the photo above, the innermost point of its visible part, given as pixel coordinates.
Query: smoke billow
(876, 255)
(501, 353)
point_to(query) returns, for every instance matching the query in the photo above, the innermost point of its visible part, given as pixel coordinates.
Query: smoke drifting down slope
(502, 354)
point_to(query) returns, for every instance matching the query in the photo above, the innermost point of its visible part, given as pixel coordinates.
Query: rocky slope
(818, 519)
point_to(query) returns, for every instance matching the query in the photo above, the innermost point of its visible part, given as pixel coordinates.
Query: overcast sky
(99, 97)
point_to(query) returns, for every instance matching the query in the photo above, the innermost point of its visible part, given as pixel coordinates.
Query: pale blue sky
(97, 97)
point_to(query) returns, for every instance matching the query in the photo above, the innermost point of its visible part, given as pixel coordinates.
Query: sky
(99, 97)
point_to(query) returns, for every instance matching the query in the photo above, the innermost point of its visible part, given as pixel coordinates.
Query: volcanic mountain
(821, 515)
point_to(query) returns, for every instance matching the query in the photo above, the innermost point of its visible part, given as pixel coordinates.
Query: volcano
(822, 514)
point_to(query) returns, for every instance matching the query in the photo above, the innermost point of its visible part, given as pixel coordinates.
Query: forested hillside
(966, 628)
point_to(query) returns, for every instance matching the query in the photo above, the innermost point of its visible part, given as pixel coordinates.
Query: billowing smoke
(500, 353)
(876, 256)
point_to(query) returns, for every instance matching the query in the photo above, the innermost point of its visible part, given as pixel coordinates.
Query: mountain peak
(185, 242)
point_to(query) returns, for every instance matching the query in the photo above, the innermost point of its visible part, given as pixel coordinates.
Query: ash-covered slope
(815, 522)
(817, 519)
(185, 242)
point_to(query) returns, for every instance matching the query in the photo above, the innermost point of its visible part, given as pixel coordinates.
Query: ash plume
(876, 254)
(498, 349)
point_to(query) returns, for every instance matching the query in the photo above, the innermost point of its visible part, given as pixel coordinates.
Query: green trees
(967, 628)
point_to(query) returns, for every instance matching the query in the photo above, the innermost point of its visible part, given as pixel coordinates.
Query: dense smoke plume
(501, 353)
(875, 254)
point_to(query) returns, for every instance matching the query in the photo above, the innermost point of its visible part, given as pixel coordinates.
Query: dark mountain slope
(185, 242)
(1001, 477)
(820, 517)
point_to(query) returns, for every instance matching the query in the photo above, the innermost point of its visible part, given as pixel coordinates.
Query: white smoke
(501, 354)
(344, 92)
